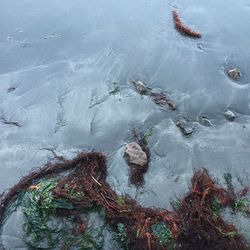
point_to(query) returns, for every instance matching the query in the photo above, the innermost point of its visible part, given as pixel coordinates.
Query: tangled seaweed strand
(162, 100)
(193, 225)
(90, 179)
(47, 170)
(183, 29)
(200, 227)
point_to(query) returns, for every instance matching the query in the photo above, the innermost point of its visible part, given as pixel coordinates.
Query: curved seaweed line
(183, 29)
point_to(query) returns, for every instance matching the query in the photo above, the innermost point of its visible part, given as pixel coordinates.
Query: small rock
(135, 154)
(234, 74)
(230, 115)
(141, 87)
(184, 127)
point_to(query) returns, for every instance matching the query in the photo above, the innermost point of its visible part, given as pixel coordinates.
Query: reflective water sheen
(65, 57)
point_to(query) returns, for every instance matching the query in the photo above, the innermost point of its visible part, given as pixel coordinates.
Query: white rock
(135, 154)
(229, 115)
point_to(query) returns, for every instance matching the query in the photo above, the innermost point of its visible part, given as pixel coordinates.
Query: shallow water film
(66, 72)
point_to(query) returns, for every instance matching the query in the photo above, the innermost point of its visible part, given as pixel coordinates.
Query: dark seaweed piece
(162, 100)
(183, 29)
(137, 172)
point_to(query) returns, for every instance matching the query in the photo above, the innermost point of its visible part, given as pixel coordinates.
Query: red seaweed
(183, 29)
(194, 224)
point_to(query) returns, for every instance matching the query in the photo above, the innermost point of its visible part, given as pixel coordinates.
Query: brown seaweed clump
(183, 29)
(194, 224)
(199, 223)
(137, 172)
(162, 100)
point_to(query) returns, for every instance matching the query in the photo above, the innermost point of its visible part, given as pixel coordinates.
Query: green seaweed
(175, 203)
(164, 234)
(230, 234)
(44, 229)
(89, 240)
(76, 195)
(228, 180)
(37, 205)
(121, 236)
(146, 136)
(241, 205)
(120, 200)
(216, 206)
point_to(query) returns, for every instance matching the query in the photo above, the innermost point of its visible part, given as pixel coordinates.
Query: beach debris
(38, 205)
(185, 128)
(230, 115)
(234, 74)
(159, 98)
(144, 137)
(162, 100)
(164, 234)
(199, 214)
(141, 87)
(137, 171)
(121, 236)
(194, 223)
(183, 29)
(135, 154)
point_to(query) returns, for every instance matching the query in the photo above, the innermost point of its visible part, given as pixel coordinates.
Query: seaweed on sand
(198, 227)
(183, 29)
(162, 100)
(48, 170)
(192, 225)
(137, 172)
(51, 222)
